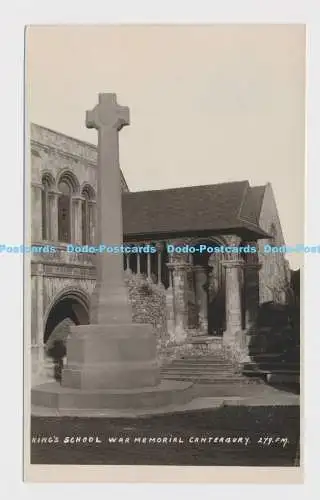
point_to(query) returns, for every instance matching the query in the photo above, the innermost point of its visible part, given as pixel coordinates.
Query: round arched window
(88, 196)
(46, 186)
(64, 212)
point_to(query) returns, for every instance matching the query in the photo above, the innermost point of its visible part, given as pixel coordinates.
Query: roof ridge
(193, 186)
(244, 196)
(253, 216)
(80, 141)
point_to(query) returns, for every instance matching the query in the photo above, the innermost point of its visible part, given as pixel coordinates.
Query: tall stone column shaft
(138, 263)
(36, 214)
(109, 303)
(233, 298)
(179, 288)
(201, 278)
(77, 220)
(53, 223)
(38, 357)
(149, 266)
(92, 211)
(170, 308)
(159, 262)
(251, 280)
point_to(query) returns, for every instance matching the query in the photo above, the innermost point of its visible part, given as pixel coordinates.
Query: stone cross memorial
(109, 302)
(112, 362)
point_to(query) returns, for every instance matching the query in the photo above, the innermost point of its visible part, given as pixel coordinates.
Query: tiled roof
(217, 207)
(251, 208)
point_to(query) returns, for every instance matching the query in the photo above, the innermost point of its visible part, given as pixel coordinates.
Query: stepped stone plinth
(112, 362)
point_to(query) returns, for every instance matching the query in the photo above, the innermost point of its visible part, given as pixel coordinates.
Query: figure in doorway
(57, 352)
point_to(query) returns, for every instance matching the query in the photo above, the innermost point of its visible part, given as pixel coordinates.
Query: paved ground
(203, 397)
(258, 427)
(262, 393)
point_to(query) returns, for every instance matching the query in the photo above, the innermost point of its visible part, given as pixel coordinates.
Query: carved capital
(232, 240)
(159, 246)
(252, 266)
(54, 193)
(229, 264)
(200, 269)
(37, 185)
(179, 266)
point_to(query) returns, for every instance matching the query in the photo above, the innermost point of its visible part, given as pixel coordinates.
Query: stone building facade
(182, 294)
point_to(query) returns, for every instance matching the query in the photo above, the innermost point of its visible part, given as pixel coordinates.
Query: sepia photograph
(166, 197)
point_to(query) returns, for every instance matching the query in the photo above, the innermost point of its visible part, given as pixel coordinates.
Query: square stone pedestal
(109, 367)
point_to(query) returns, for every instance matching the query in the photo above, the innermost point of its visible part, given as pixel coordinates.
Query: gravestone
(112, 362)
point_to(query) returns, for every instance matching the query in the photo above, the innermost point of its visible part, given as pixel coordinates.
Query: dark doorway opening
(68, 311)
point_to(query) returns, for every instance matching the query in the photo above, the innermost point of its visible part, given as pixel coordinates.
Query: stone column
(138, 263)
(127, 260)
(149, 266)
(251, 282)
(159, 262)
(170, 308)
(38, 356)
(36, 212)
(201, 279)
(53, 215)
(76, 220)
(92, 222)
(179, 282)
(109, 299)
(233, 300)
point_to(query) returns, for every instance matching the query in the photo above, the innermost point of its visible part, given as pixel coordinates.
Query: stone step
(200, 369)
(212, 369)
(273, 363)
(54, 396)
(283, 378)
(274, 366)
(201, 365)
(201, 361)
(191, 376)
(206, 339)
(213, 376)
(187, 371)
(271, 371)
(212, 380)
(216, 355)
(269, 356)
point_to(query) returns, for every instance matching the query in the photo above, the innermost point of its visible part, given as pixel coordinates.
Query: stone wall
(273, 276)
(55, 152)
(148, 303)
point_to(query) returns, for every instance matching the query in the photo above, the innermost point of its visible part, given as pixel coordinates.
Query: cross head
(108, 114)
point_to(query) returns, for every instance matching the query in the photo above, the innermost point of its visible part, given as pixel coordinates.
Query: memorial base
(116, 356)
(52, 397)
(109, 368)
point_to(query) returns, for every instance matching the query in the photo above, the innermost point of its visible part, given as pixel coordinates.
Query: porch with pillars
(217, 298)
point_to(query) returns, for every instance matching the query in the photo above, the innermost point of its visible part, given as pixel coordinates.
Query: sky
(208, 104)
